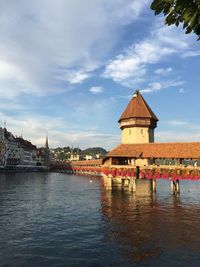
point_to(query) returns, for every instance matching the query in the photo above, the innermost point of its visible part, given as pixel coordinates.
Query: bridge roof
(86, 162)
(157, 150)
(138, 108)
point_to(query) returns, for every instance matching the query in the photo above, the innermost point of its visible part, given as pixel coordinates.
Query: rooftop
(157, 150)
(138, 108)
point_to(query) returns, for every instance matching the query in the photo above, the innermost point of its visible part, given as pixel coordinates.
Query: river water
(49, 219)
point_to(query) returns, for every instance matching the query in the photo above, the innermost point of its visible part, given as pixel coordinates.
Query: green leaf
(193, 20)
(166, 8)
(180, 11)
(158, 11)
(170, 19)
(177, 23)
(189, 29)
(185, 24)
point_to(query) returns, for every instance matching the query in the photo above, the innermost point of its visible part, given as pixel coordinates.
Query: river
(49, 219)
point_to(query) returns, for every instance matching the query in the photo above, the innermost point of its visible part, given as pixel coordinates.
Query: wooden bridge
(139, 158)
(128, 176)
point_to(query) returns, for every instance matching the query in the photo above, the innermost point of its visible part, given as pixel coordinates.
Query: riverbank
(22, 168)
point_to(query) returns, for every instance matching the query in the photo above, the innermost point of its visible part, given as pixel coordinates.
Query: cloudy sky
(70, 67)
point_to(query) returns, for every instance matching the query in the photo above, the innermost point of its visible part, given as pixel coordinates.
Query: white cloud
(74, 77)
(123, 13)
(157, 86)
(60, 133)
(185, 126)
(177, 123)
(44, 42)
(130, 68)
(83, 139)
(191, 53)
(10, 105)
(163, 71)
(96, 90)
(173, 136)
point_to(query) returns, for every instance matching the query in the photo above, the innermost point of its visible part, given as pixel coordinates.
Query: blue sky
(69, 68)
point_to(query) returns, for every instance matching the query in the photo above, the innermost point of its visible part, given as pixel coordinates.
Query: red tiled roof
(138, 108)
(157, 150)
(86, 162)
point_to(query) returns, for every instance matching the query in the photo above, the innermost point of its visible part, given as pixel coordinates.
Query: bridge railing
(155, 172)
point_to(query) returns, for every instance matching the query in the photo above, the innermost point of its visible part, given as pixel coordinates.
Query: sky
(68, 68)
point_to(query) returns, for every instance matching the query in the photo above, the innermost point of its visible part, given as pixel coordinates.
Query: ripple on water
(59, 220)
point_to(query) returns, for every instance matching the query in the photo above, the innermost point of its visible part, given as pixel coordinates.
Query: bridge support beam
(126, 182)
(154, 185)
(107, 181)
(117, 182)
(132, 185)
(175, 187)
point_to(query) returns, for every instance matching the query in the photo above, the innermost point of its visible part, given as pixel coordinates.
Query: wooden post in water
(123, 183)
(175, 187)
(132, 185)
(172, 187)
(107, 181)
(154, 185)
(126, 182)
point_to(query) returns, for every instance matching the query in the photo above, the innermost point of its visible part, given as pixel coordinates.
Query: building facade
(28, 152)
(16, 151)
(10, 154)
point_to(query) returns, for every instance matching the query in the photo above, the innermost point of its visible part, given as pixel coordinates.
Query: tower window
(141, 131)
(129, 131)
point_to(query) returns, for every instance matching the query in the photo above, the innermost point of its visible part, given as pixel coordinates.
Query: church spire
(47, 142)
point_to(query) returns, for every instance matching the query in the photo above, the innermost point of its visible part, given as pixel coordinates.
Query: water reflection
(152, 228)
(65, 220)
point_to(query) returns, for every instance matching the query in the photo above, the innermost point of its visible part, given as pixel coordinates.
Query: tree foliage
(65, 152)
(186, 12)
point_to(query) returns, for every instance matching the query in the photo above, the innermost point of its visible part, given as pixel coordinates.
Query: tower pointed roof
(46, 143)
(138, 108)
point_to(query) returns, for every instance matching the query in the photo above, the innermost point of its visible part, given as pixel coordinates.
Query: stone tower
(138, 121)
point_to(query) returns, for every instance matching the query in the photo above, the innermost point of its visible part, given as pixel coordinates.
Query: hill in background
(67, 153)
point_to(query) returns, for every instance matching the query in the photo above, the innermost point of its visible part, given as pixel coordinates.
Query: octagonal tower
(138, 121)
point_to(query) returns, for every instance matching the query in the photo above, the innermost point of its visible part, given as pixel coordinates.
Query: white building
(28, 152)
(15, 151)
(88, 157)
(10, 154)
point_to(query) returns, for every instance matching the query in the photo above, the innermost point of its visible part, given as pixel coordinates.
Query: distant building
(98, 156)
(88, 157)
(28, 152)
(74, 157)
(10, 150)
(43, 154)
